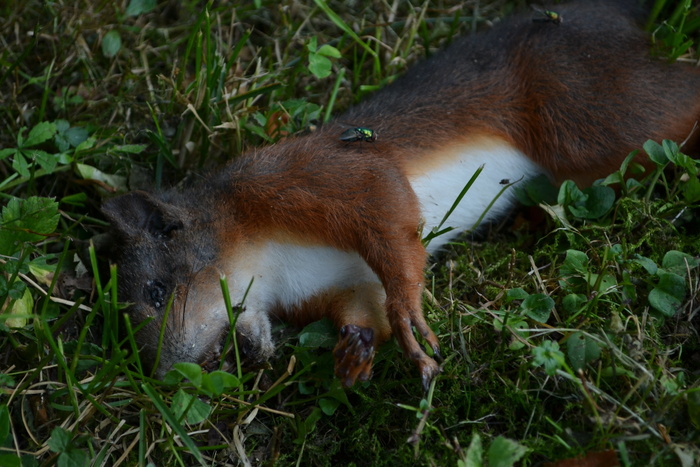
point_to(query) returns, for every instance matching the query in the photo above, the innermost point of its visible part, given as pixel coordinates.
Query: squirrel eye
(156, 294)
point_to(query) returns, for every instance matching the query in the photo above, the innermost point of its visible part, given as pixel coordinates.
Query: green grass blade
(172, 421)
(436, 231)
(338, 21)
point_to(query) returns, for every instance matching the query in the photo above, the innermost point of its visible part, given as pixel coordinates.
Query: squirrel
(328, 224)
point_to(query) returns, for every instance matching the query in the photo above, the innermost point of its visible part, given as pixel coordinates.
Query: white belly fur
(286, 274)
(438, 185)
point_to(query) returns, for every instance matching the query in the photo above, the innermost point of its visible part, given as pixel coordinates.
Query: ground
(567, 331)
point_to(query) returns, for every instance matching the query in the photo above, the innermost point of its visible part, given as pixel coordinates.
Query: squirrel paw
(354, 354)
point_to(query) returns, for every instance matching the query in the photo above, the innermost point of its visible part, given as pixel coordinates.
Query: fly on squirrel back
(358, 134)
(549, 15)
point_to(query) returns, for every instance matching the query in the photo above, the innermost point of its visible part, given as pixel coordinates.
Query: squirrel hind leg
(359, 315)
(354, 354)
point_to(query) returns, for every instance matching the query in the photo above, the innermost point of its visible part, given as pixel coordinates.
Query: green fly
(550, 16)
(358, 134)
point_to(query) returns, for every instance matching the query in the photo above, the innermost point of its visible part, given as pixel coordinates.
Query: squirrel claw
(429, 369)
(354, 354)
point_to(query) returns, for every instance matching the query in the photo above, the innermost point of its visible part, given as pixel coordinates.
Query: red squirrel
(329, 224)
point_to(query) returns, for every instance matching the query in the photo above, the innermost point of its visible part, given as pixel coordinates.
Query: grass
(564, 337)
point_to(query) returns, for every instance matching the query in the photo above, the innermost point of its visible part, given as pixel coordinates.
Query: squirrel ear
(138, 212)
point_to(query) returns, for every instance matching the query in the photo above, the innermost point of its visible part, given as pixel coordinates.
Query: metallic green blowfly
(358, 134)
(551, 16)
